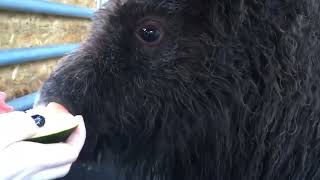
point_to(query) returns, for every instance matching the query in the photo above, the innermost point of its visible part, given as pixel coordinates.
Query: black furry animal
(198, 90)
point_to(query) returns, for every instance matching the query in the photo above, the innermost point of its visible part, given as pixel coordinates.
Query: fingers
(30, 154)
(77, 138)
(3, 107)
(53, 173)
(50, 154)
(14, 127)
(23, 159)
(20, 159)
(2, 95)
(57, 107)
(52, 111)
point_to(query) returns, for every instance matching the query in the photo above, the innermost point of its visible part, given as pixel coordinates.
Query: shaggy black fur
(231, 92)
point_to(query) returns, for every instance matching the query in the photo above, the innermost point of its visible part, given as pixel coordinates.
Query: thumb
(15, 126)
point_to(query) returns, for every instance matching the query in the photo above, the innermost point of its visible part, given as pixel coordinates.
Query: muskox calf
(198, 89)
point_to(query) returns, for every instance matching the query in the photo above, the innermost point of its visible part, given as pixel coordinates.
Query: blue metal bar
(23, 55)
(23, 103)
(46, 7)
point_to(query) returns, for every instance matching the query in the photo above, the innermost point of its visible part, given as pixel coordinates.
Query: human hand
(3, 107)
(28, 160)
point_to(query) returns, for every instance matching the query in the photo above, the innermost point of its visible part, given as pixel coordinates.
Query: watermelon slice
(54, 131)
(57, 127)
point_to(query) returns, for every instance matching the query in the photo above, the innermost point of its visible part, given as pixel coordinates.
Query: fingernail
(57, 106)
(79, 118)
(39, 120)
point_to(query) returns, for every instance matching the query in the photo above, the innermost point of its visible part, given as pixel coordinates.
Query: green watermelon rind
(54, 137)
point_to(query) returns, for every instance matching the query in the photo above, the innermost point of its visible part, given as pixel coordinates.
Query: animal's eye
(150, 33)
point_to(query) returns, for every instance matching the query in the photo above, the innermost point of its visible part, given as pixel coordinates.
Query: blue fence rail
(46, 7)
(23, 55)
(23, 103)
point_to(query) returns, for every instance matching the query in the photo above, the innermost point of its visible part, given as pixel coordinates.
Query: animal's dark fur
(232, 91)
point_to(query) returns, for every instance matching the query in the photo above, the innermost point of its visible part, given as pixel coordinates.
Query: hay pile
(20, 30)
